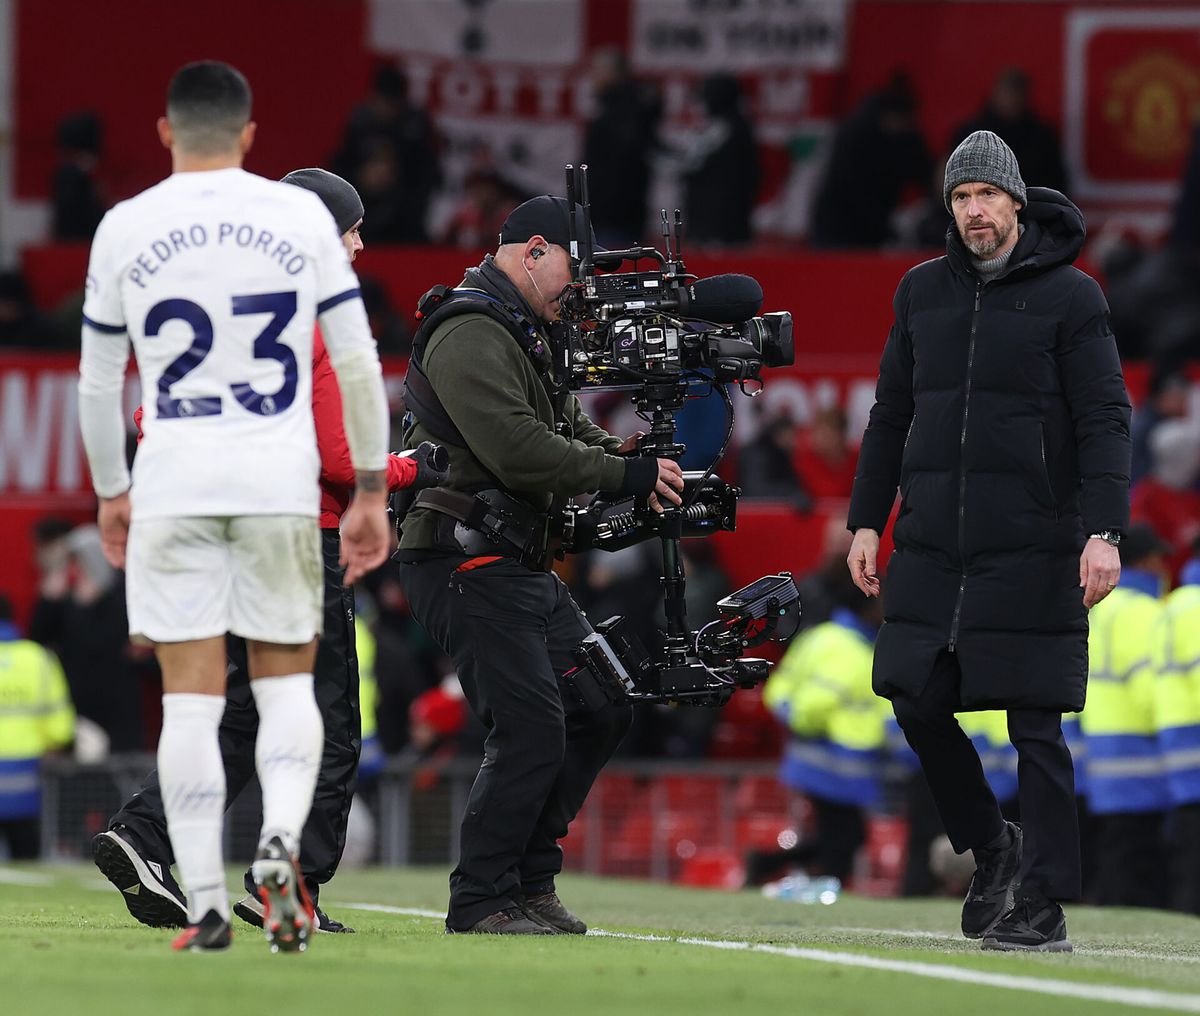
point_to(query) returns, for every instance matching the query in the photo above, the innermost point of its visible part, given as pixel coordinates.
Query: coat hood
(1054, 235)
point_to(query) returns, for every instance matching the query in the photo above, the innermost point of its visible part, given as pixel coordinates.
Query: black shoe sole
(148, 905)
(995, 945)
(251, 917)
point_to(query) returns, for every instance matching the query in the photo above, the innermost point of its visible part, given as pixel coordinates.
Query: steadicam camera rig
(664, 336)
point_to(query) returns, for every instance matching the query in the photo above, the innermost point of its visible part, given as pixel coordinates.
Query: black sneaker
(211, 934)
(993, 887)
(509, 921)
(548, 909)
(1035, 924)
(327, 924)
(250, 909)
(287, 911)
(151, 894)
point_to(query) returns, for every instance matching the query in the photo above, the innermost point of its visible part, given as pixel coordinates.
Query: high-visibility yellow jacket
(1175, 654)
(371, 760)
(822, 691)
(36, 716)
(1125, 771)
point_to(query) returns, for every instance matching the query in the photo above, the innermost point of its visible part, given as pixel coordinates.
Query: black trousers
(335, 682)
(1132, 862)
(1184, 844)
(968, 808)
(510, 632)
(24, 837)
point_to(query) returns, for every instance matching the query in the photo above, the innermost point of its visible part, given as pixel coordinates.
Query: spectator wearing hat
(1002, 416)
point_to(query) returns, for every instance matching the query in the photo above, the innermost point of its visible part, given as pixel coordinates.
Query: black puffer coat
(1001, 414)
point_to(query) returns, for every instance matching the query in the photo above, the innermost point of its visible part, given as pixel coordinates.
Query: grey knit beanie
(983, 157)
(338, 195)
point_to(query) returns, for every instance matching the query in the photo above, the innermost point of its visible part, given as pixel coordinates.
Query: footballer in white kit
(217, 277)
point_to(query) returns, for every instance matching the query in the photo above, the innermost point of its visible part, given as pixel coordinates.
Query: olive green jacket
(491, 391)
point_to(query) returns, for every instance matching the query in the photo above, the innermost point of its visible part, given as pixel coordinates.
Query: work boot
(509, 921)
(1035, 924)
(548, 909)
(994, 885)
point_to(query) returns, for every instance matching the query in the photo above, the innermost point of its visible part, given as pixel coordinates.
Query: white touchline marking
(1132, 954)
(1151, 998)
(897, 932)
(382, 908)
(14, 877)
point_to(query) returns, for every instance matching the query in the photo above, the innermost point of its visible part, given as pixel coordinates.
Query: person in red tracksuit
(134, 852)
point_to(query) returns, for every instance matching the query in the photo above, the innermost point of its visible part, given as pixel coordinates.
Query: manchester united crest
(1151, 103)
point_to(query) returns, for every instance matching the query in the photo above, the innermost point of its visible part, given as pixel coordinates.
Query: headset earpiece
(536, 253)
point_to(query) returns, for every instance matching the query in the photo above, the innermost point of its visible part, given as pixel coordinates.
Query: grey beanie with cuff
(983, 157)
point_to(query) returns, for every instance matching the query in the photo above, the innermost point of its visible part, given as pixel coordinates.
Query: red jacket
(337, 471)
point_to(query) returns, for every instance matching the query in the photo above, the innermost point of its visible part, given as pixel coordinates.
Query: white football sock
(287, 753)
(192, 779)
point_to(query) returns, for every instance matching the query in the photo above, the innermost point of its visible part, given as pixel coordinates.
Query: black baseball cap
(546, 216)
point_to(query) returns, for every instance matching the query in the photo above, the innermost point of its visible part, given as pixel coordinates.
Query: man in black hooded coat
(1002, 416)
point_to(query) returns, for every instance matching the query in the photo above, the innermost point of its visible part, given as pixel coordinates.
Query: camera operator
(475, 559)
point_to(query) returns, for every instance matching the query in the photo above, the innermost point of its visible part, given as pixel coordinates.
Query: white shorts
(257, 576)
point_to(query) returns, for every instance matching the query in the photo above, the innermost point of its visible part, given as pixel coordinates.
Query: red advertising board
(1133, 95)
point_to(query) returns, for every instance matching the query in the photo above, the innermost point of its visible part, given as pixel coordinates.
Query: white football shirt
(217, 279)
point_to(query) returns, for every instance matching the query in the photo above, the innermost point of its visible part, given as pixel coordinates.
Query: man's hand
(1099, 570)
(861, 560)
(669, 485)
(113, 521)
(366, 534)
(630, 444)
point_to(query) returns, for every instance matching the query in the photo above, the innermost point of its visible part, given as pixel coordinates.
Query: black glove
(433, 469)
(433, 465)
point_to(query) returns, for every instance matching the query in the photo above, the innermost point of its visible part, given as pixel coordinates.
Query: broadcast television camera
(665, 335)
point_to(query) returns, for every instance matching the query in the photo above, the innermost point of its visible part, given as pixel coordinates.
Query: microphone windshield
(724, 299)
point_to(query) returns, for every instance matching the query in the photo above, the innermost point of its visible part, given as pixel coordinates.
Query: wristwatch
(1110, 536)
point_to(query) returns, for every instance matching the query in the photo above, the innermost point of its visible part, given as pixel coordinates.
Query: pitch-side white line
(384, 909)
(14, 877)
(1131, 954)
(1143, 997)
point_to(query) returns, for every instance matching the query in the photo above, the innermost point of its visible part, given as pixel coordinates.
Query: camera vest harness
(442, 303)
(491, 520)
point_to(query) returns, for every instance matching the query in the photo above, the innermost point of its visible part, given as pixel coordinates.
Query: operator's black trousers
(969, 811)
(510, 632)
(335, 682)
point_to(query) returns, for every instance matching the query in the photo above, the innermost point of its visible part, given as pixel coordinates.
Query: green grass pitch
(68, 946)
